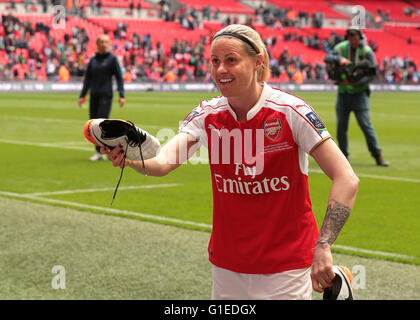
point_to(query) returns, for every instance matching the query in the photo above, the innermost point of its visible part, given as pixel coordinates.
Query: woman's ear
(259, 61)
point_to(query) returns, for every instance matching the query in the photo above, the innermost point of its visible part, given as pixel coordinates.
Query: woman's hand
(322, 272)
(116, 155)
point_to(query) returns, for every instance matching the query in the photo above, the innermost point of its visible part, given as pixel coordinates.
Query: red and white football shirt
(262, 216)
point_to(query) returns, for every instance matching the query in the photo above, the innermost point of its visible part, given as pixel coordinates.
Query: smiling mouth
(224, 81)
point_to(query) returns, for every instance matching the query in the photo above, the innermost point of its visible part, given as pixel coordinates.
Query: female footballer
(265, 243)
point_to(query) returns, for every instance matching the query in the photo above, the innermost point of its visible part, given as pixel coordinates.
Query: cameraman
(354, 96)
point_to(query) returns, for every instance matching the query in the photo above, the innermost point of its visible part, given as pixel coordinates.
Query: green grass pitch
(44, 158)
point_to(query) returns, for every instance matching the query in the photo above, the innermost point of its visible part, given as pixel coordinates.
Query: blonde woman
(265, 242)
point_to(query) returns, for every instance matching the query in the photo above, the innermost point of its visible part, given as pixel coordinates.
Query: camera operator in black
(354, 96)
(98, 78)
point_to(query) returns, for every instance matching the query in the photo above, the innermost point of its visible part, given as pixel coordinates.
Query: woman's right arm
(171, 156)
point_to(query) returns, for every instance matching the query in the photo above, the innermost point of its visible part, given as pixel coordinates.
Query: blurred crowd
(144, 59)
(397, 70)
(287, 17)
(184, 61)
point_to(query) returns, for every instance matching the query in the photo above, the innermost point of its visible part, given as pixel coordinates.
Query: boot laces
(134, 138)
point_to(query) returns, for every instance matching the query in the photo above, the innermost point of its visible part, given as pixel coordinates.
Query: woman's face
(233, 70)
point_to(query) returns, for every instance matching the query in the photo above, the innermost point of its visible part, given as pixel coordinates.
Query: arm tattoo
(335, 218)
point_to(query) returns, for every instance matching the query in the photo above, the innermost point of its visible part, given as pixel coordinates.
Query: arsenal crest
(272, 129)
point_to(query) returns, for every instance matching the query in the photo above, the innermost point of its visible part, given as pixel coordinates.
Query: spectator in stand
(99, 7)
(63, 73)
(206, 13)
(92, 7)
(317, 19)
(44, 5)
(12, 5)
(170, 76)
(138, 9)
(297, 76)
(27, 4)
(131, 7)
(216, 14)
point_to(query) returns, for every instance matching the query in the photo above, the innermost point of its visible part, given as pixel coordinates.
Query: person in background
(63, 73)
(99, 80)
(355, 96)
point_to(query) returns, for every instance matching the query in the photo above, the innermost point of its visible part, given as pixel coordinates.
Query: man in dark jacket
(354, 96)
(98, 78)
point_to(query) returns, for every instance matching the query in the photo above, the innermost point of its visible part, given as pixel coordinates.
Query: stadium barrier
(193, 86)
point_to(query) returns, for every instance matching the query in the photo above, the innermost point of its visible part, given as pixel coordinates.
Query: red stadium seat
(310, 6)
(224, 6)
(394, 8)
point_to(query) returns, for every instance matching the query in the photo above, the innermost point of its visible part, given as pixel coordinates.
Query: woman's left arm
(340, 203)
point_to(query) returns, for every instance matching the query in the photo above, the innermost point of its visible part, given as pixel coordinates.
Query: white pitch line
(45, 144)
(380, 253)
(104, 209)
(41, 119)
(75, 143)
(59, 120)
(373, 176)
(173, 220)
(61, 146)
(149, 186)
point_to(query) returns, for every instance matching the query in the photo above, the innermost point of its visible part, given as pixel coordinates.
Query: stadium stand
(411, 35)
(224, 6)
(120, 4)
(163, 31)
(310, 7)
(396, 11)
(174, 46)
(40, 40)
(385, 43)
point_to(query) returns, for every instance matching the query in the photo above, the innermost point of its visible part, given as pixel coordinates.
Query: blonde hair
(255, 42)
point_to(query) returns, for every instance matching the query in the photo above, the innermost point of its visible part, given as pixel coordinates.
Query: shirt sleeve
(193, 124)
(332, 57)
(307, 127)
